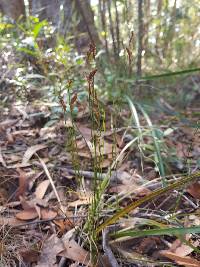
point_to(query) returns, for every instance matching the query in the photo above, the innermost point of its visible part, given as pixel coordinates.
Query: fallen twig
(106, 247)
(51, 182)
(48, 220)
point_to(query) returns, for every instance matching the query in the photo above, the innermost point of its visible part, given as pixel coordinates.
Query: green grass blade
(162, 75)
(168, 74)
(135, 115)
(156, 193)
(120, 156)
(163, 231)
(156, 145)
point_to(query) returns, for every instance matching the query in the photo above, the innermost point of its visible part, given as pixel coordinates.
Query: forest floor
(43, 204)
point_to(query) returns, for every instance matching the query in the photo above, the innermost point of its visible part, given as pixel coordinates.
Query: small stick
(48, 220)
(106, 247)
(52, 183)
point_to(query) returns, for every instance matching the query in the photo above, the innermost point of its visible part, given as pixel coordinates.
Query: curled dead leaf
(27, 215)
(64, 225)
(23, 182)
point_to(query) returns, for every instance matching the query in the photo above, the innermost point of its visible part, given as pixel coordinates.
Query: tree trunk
(46, 9)
(117, 27)
(140, 37)
(147, 13)
(87, 23)
(102, 12)
(116, 55)
(64, 19)
(12, 8)
(157, 34)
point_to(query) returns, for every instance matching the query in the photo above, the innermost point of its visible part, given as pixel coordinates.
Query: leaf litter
(37, 204)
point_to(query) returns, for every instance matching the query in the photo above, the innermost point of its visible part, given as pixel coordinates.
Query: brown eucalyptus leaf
(31, 151)
(50, 250)
(23, 183)
(194, 190)
(41, 189)
(183, 261)
(75, 252)
(27, 215)
(47, 214)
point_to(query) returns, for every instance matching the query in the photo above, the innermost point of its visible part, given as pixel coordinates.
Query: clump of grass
(96, 147)
(97, 119)
(92, 228)
(176, 185)
(157, 142)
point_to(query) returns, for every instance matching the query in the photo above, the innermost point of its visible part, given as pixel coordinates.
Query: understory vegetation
(100, 134)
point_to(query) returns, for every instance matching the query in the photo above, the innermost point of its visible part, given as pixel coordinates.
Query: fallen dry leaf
(27, 215)
(194, 190)
(106, 163)
(84, 154)
(125, 189)
(3, 195)
(184, 261)
(51, 248)
(29, 256)
(41, 189)
(23, 182)
(79, 202)
(86, 132)
(7, 123)
(13, 204)
(31, 151)
(181, 249)
(47, 214)
(26, 205)
(103, 148)
(74, 251)
(28, 132)
(84, 199)
(10, 138)
(10, 221)
(181, 150)
(13, 159)
(123, 177)
(2, 161)
(64, 225)
(19, 165)
(107, 148)
(119, 189)
(2, 209)
(33, 178)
